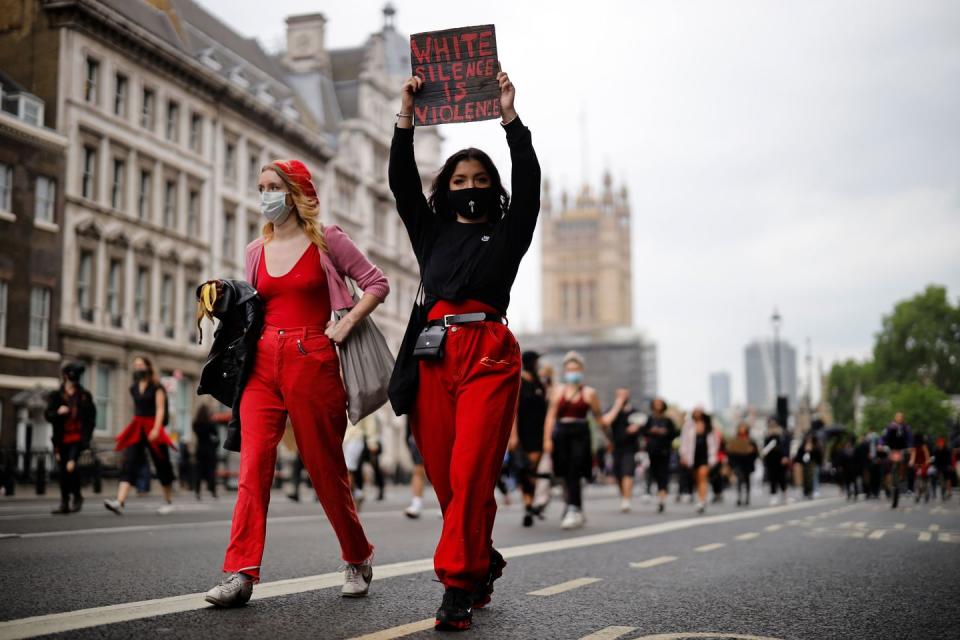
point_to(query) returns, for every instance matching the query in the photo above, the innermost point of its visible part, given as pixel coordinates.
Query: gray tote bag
(367, 365)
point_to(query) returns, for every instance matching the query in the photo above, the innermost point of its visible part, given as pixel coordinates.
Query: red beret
(298, 173)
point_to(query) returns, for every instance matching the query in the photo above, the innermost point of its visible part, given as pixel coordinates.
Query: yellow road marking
(563, 586)
(400, 631)
(653, 562)
(610, 633)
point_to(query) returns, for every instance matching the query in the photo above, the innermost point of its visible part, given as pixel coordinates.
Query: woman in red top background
(298, 268)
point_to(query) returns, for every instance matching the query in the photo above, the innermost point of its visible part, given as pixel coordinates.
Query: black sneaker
(528, 517)
(661, 508)
(454, 613)
(77, 504)
(63, 509)
(483, 593)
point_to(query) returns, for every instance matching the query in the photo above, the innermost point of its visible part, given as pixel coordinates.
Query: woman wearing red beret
(298, 267)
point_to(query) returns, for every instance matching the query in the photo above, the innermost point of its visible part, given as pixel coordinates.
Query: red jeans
(296, 372)
(465, 407)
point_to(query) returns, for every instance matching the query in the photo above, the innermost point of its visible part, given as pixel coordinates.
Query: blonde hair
(573, 356)
(306, 208)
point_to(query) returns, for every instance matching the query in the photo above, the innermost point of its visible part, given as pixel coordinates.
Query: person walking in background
(418, 478)
(660, 432)
(871, 465)
(809, 457)
(625, 438)
(897, 441)
(699, 445)
(526, 440)
(566, 434)
(849, 466)
(145, 435)
(73, 415)
(944, 463)
(920, 463)
(742, 452)
(776, 459)
(207, 442)
(371, 456)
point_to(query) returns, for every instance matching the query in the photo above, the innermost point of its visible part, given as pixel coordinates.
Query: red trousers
(465, 407)
(296, 372)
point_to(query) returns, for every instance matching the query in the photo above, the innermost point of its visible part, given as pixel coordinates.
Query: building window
(184, 391)
(147, 109)
(116, 192)
(140, 301)
(101, 397)
(85, 286)
(170, 205)
(229, 226)
(173, 121)
(39, 318)
(189, 305)
(6, 187)
(253, 232)
(230, 162)
(89, 172)
(46, 196)
(143, 200)
(92, 79)
(3, 312)
(166, 305)
(253, 171)
(114, 281)
(120, 89)
(193, 214)
(196, 133)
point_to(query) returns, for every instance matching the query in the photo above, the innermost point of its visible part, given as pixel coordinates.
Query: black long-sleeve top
(462, 261)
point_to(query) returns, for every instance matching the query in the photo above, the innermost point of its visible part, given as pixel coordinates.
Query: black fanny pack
(430, 342)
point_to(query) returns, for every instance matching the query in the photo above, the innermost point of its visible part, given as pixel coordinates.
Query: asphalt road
(817, 569)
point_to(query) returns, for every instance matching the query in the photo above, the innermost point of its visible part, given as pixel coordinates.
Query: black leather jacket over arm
(240, 312)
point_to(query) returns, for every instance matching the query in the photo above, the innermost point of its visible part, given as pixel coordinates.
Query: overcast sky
(802, 154)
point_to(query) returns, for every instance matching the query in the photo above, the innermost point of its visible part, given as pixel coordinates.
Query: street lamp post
(775, 319)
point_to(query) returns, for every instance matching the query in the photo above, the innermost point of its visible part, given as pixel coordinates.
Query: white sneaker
(233, 591)
(414, 510)
(357, 578)
(165, 510)
(701, 507)
(573, 519)
(774, 501)
(624, 505)
(114, 505)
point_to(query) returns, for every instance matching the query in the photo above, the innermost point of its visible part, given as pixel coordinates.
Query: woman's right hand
(412, 85)
(548, 445)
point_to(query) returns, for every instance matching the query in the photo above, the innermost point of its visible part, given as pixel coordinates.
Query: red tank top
(298, 298)
(576, 407)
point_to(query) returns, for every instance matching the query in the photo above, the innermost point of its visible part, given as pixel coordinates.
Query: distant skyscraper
(719, 391)
(761, 382)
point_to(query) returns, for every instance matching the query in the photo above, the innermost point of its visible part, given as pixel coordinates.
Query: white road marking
(934, 527)
(948, 537)
(748, 536)
(844, 525)
(563, 587)
(400, 631)
(773, 527)
(925, 536)
(899, 525)
(610, 633)
(710, 547)
(876, 535)
(653, 562)
(127, 611)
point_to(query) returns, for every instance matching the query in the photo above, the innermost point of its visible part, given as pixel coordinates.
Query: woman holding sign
(469, 237)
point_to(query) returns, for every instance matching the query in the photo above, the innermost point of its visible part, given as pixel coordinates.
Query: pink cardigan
(342, 258)
(688, 444)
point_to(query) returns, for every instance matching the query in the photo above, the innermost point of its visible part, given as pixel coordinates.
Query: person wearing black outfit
(625, 437)
(776, 460)
(810, 458)
(468, 238)
(207, 445)
(742, 452)
(526, 439)
(71, 411)
(660, 432)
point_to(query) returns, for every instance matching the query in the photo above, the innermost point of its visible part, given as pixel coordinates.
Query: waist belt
(465, 318)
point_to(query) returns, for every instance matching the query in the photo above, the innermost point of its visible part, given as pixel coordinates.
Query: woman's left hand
(507, 94)
(338, 332)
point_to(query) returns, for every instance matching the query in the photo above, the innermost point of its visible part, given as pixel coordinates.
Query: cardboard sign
(459, 68)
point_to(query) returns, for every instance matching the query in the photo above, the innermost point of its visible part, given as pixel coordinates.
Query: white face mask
(274, 207)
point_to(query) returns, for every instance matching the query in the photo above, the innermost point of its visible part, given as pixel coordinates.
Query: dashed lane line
(748, 536)
(924, 536)
(399, 631)
(878, 534)
(773, 527)
(610, 633)
(899, 525)
(711, 547)
(563, 587)
(653, 562)
(934, 527)
(127, 611)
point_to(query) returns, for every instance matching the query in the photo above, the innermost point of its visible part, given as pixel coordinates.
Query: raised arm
(525, 169)
(403, 175)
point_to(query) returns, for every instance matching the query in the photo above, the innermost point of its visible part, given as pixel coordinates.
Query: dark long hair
(438, 200)
(152, 376)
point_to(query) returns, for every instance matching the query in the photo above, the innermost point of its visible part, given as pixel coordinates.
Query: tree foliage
(845, 381)
(926, 408)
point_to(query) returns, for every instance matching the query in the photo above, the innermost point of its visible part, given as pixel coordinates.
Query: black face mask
(474, 203)
(139, 376)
